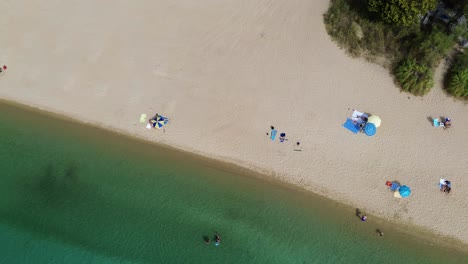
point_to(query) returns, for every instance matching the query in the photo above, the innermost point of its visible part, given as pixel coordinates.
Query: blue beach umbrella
(370, 129)
(404, 191)
(159, 124)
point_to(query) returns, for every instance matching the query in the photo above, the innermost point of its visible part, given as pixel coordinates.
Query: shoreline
(224, 75)
(417, 232)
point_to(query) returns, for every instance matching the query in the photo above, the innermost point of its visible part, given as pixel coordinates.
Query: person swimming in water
(217, 239)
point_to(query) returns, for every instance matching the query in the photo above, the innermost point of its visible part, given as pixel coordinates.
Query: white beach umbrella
(373, 119)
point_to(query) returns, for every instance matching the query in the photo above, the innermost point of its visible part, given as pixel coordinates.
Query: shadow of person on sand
(206, 239)
(358, 213)
(431, 120)
(380, 232)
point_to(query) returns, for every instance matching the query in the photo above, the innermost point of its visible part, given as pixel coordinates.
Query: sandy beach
(224, 72)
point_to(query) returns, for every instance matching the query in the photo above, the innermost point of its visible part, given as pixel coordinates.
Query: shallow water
(76, 194)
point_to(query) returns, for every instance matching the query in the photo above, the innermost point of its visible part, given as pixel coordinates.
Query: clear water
(75, 194)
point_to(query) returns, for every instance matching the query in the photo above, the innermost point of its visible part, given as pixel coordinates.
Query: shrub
(434, 47)
(414, 77)
(458, 84)
(401, 12)
(457, 78)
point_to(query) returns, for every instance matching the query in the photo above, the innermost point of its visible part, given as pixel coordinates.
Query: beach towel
(162, 118)
(142, 118)
(349, 124)
(436, 122)
(356, 117)
(441, 183)
(273, 134)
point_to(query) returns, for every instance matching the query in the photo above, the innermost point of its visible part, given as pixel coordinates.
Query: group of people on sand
(282, 138)
(447, 123)
(446, 186)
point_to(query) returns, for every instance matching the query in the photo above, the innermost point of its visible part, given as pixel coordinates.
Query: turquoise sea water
(76, 194)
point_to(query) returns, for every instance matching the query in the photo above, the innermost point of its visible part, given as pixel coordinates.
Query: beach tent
(373, 119)
(404, 191)
(370, 129)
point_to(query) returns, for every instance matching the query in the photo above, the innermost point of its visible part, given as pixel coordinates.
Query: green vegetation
(400, 12)
(393, 34)
(414, 77)
(457, 77)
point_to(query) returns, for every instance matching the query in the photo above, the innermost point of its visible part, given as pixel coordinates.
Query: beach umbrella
(370, 129)
(160, 124)
(404, 191)
(162, 118)
(161, 121)
(373, 119)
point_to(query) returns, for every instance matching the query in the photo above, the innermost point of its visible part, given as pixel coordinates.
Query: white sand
(224, 71)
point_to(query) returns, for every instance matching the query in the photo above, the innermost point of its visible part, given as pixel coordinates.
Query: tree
(401, 12)
(433, 47)
(458, 84)
(414, 77)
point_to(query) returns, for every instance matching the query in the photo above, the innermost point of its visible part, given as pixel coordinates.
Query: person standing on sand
(217, 239)
(363, 218)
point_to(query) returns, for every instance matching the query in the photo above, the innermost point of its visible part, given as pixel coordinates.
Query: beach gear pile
(445, 186)
(362, 122)
(399, 191)
(274, 132)
(445, 124)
